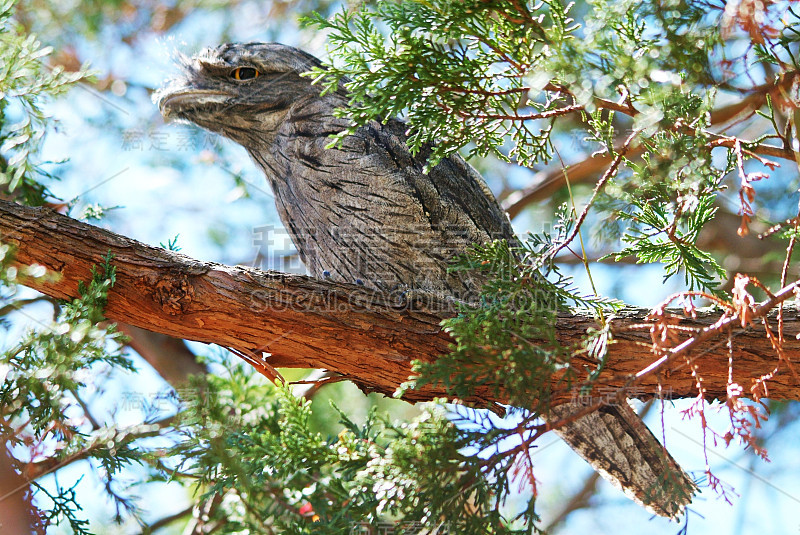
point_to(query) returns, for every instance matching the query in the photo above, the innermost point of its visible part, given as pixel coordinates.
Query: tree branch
(366, 336)
(545, 183)
(169, 356)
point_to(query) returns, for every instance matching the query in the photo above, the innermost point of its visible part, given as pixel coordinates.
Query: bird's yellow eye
(244, 73)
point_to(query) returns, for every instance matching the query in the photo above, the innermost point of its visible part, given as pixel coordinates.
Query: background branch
(545, 183)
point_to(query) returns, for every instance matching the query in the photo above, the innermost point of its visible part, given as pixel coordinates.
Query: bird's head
(239, 90)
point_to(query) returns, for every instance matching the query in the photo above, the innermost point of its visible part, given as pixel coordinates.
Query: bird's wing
(457, 184)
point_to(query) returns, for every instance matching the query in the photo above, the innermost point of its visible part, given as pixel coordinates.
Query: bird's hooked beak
(173, 100)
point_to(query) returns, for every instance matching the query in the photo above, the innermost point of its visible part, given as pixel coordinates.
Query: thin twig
(610, 172)
(785, 272)
(709, 332)
(165, 521)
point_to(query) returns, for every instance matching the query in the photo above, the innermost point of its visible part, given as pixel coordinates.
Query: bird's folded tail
(617, 443)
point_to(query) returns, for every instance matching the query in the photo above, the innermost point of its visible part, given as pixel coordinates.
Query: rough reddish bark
(308, 323)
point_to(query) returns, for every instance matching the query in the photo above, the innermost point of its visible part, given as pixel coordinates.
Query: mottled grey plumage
(366, 211)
